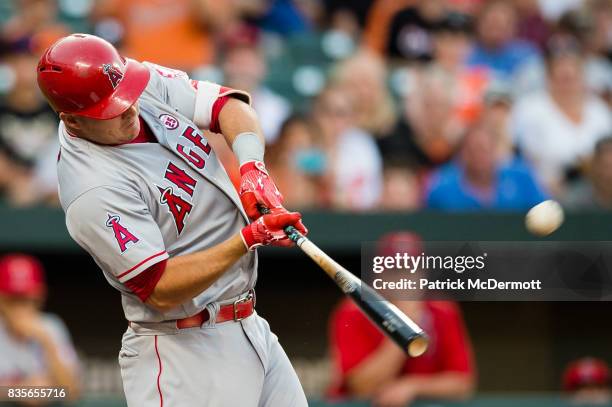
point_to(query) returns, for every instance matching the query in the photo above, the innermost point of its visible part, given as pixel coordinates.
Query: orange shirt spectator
(378, 21)
(354, 339)
(166, 32)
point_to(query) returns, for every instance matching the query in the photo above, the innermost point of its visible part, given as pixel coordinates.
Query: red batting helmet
(21, 275)
(85, 75)
(586, 372)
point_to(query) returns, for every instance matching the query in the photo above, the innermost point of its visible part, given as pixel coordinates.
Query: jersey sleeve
(193, 99)
(116, 228)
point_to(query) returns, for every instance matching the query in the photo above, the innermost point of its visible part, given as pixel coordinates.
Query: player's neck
(78, 133)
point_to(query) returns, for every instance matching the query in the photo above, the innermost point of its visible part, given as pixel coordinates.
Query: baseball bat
(386, 316)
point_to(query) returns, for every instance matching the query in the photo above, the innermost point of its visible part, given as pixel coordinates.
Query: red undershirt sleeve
(216, 109)
(144, 283)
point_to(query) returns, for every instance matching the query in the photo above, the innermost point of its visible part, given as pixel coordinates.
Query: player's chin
(135, 130)
(131, 132)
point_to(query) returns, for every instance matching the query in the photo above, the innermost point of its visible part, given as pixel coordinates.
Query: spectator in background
(297, 162)
(557, 128)
(452, 40)
(28, 135)
(355, 165)
(283, 17)
(532, 26)
(378, 21)
(552, 10)
(427, 132)
(599, 44)
(366, 364)
(177, 33)
(430, 127)
(408, 36)
(587, 382)
(497, 47)
(478, 179)
(364, 77)
(595, 191)
(601, 39)
(496, 116)
(35, 347)
(445, 98)
(401, 188)
(592, 27)
(34, 26)
(349, 17)
(244, 67)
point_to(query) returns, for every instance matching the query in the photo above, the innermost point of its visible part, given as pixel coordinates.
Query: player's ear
(71, 121)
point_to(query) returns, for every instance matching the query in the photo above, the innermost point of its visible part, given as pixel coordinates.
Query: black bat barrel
(390, 320)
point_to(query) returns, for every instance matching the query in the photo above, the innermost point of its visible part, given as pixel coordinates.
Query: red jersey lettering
(191, 156)
(192, 135)
(178, 207)
(122, 234)
(180, 178)
(196, 138)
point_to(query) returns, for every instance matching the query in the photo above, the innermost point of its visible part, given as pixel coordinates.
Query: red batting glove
(270, 229)
(257, 188)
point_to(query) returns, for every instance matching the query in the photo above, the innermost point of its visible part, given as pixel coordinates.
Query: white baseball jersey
(133, 205)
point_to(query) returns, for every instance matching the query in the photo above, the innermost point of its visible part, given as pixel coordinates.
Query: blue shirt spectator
(514, 189)
(284, 18)
(505, 61)
(497, 46)
(480, 178)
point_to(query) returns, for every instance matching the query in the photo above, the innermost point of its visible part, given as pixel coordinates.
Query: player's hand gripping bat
(389, 319)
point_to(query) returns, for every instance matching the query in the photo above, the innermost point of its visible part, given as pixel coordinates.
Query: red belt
(236, 311)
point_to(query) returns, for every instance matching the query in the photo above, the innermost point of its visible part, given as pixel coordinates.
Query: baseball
(544, 218)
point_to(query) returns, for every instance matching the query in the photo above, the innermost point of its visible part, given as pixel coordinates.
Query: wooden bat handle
(407, 334)
(393, 322)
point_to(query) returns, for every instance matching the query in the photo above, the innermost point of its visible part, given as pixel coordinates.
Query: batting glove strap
(269, 229)
(255, 235)
(257, 166)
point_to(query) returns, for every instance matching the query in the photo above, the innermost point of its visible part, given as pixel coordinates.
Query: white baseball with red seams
(134, 205)
(544, 218)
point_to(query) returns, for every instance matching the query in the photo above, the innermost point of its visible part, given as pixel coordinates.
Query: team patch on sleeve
(122, 234)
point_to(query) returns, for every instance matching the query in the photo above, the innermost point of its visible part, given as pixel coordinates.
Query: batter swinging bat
(393, 322)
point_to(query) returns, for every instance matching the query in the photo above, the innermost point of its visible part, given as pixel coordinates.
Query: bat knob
(418, 346)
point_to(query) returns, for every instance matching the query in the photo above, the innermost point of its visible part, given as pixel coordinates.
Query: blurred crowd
(392, 105)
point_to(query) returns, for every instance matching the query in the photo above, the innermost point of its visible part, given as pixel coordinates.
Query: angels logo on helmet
(114, 75)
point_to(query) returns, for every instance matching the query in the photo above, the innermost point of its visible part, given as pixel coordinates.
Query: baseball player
(145, 195)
